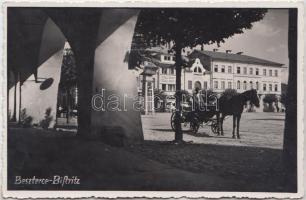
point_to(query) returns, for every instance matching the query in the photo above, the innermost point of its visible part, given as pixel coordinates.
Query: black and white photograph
(176, 100)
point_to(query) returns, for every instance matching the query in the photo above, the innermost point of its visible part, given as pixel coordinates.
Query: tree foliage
(270, 98)
(190, 27)
(68, 73)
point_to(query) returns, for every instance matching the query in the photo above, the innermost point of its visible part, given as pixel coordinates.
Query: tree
(191, 27)
(290, 133)
(269, 99)
(68, 76)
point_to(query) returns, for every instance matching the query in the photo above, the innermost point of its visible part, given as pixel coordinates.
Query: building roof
(237, 58)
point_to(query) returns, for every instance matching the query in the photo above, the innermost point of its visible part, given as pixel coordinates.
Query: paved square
(256, 130)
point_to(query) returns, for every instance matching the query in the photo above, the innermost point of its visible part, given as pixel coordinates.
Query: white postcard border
(155, 194)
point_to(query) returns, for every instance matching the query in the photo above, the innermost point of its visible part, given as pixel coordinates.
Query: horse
(234, 106)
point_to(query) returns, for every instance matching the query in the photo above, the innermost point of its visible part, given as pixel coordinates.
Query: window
(264, 72)
(251, 85)
(167, 58)
(229, 85)
(229, 69)
(189, 85)
(205, 85)
(216, 84)
(172, 71)
(257, 71)
(153, 83)
(238, 85)
(244, 70)
(164, 87)
(275, 88)
(257, 86)
(238, 70)
(222, 85)
(251, 71)
(164, 70)
(244, 85)
(276, 73)
(171, 87)
(222, 68)
(197, 70)
(270, 87)
(264, 87)
(216, 68)
(270, 72)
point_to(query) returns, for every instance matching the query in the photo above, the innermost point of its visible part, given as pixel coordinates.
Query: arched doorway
(197, 85)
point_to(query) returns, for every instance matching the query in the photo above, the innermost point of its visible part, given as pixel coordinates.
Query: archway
(67, 98)
(32, 97)
(197, 85)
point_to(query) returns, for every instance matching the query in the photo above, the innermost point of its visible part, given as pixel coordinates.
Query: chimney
(239, 53)
(228, 51)
(215, 50)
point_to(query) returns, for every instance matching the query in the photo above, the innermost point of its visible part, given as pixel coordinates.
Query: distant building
(217, 71)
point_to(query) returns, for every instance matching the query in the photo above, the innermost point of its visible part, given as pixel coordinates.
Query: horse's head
(254, 99)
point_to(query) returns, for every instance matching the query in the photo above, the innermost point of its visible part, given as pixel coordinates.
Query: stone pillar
(119, 122)
(146, 98)
(13, 94)
(39, 95)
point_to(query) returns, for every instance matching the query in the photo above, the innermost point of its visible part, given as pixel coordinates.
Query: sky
(267, 39)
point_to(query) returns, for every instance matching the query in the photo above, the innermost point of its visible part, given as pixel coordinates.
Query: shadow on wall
(46, 84)
(26, 120)
(45, 123)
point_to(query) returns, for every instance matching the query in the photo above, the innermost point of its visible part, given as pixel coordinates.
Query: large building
(217, 71)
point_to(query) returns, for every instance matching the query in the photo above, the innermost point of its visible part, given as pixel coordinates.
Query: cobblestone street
(256, 130)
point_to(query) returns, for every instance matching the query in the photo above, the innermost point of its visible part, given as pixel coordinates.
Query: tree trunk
(178, 95)
(290, 134)
(68, 104)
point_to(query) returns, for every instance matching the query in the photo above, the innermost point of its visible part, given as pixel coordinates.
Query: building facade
(218, 71)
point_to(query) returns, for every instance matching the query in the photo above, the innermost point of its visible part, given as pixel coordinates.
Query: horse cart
(194, 120)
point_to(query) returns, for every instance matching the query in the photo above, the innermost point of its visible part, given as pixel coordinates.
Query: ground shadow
(269, 119)
(198, 134)
(250, 168)
(162, 130)
(151, 165)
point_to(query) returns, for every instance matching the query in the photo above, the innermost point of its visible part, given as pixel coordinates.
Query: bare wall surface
(111, 73)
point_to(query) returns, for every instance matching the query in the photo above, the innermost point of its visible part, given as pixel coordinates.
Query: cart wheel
(172, 122)
(214, 128)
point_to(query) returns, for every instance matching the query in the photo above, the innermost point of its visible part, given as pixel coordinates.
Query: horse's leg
(238, 123)
(234, 125)
(222, 119)
(218, 122)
